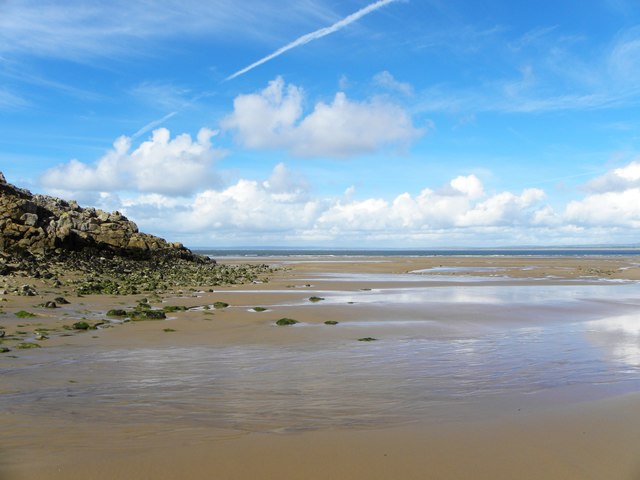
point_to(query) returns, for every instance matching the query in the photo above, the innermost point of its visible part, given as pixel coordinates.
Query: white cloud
(273, 118)
(176, 166)
(620, 208)
(618, 179)
(386, 80)
(282, 209)
(613, 199)
(504, 208)
(250, 206)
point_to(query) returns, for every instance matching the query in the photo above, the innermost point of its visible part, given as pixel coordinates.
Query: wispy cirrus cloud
(80, 31)
(315, 35)
(10, 100)
(551, 71)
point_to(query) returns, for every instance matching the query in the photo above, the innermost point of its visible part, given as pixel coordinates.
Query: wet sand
(503, 367)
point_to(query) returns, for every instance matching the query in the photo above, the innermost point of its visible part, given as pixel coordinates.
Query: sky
(324, 123)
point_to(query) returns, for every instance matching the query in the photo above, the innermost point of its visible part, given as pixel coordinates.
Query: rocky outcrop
(42, 225)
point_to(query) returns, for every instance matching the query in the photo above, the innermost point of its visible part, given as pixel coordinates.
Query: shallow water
(408, 374)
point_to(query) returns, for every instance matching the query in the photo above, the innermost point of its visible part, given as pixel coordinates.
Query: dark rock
(27, 291)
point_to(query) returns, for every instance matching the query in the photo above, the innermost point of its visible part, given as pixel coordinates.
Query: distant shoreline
(471, 252)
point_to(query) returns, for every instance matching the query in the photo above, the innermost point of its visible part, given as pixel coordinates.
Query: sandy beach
(476, 367)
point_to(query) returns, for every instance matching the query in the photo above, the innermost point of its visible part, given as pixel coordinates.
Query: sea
(472, 252)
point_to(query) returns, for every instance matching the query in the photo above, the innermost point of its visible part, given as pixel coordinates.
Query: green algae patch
(331, 322)
(284, 322)
(24, 314)
(174, 308)
(259, 309)
(219, 305)
(168, 330)
(82, 325)
(142, 315)
(315, 299)
(27, 345)
(367, 339)
(117, 312)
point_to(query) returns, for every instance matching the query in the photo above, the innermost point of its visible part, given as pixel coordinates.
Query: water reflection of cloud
(620, 336)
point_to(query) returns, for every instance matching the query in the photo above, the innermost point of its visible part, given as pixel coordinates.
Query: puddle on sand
(458, 270)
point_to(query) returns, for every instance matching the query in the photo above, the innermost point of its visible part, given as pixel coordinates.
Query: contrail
(323, 32)
(153, 124)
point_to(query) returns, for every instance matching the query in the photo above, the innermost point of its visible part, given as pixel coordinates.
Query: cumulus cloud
(604, 209)
(160, 164)
(437, 209)
(251, 206)
(274, 118)
(282, 208)
(613, 200)
(618, 179)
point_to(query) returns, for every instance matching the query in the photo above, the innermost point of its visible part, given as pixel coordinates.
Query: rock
(40, 224)
(27, 291)
(50, 304)
(105, 253)
(62, 301)
(2, 333)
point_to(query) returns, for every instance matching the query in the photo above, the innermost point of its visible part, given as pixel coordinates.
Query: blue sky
(321, 123)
